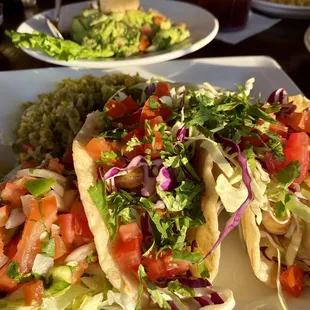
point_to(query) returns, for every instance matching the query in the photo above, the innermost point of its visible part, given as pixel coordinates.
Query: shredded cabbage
(279, 287)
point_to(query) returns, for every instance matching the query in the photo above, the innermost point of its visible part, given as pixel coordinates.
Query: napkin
(256, 24)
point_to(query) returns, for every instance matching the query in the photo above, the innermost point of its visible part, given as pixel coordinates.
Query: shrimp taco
(149, 195)
(48, 257)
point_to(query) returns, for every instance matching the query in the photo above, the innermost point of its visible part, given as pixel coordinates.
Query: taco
(48, 257)
(149, 195)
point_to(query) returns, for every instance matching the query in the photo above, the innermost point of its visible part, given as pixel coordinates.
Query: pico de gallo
(149, 195)
(46, 246)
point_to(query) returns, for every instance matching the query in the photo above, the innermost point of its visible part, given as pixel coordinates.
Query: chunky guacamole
(97, 35)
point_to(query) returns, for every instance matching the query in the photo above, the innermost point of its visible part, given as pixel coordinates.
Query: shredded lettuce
(279, 287)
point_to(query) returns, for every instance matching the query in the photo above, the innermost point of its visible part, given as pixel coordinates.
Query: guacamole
(127, 33)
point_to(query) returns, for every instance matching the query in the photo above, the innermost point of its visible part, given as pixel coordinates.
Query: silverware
(53, 24)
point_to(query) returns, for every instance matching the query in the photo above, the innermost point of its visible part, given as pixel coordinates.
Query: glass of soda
(232, 14)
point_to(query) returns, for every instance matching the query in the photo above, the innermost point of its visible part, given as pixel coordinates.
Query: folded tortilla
(86, 172)
(107, 6)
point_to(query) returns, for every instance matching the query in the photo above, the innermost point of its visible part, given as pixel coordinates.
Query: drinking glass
(29, 3)
(232, 14)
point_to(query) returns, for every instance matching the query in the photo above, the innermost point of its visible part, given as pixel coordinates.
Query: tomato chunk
(295, 120)
(78, 271)
(96, 146)
(81, 222)
(273, 165)
(130, 231)
(292, 280)
(55, 166)
(12, 193)
(4, 215)
(33, 293)
(162, 89)
(129, 255)
(157, 146)
(298, 139)
(115, 109)
(60, 247)
(156, 268)
(30, 244)
(144, 44)
(66, 224)
(279, 128)
(138, 149)
(7, 284)
(130, 104)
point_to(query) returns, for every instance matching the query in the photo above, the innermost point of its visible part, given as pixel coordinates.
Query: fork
(53, 24)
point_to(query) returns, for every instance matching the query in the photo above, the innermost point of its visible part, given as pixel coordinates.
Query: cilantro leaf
(98, 194)
(13, 270)
(48, 247)
(40, 186)
(187, 256)
(155, 293)
(154, 104)
(176, 287)
(203, 270)
(280, 210)
(287, 175)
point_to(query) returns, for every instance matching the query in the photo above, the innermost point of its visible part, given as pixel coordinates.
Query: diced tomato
(144, 44)
(79, 240)
(68, 156)
(129, 255)
(298, 139)
(130, 231)
(273, 165)
(55, 166)
(307, 124)
(115, 109)
(33, 293)
(155, 121)
(156, 268)
(130, 104)
(158, 145)
(158, 19)
(12, 248)
(27, 148)
(12, 193)
(302, 155)
(78, 271)
(146, 29)
(160, 110)
(295, 120)
(81, 223)
(279, 128)
(164, 266)
(138, 149)
(174, 268)
(7, 284)
(66, 224)
(98, 145)
(132, 120)
(60, 246)
(29, 164)
(30, 244)
(4, 215)
(292, 280)
(162, 89)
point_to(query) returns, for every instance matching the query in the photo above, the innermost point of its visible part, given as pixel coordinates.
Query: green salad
(97, 35)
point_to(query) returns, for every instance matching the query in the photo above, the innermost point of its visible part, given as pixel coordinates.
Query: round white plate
(202, 25)
(281, 10)
(307, 39)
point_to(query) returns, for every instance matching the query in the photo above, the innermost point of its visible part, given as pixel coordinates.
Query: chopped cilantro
(279, 210)
(185, 291)
(154, 104)
(13, 270)
(48, 247)
(287, 175)
(187, 256)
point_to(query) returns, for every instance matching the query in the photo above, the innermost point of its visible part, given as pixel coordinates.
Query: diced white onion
(44, 236)
(3, 260)
(26, 203)
(55, 228)
(59, 200)
(81, 253)
(41, 173)
(69, 197)
(59, 189)
(16, 218)
(42, 264)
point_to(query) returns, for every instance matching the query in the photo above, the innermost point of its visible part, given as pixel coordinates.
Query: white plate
(281, 10)
(235, 271)
(307, 39)
(202, 25)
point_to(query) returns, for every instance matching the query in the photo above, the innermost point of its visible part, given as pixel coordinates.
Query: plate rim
(105, 64)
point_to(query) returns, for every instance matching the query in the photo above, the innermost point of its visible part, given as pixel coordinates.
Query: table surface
(284, 42)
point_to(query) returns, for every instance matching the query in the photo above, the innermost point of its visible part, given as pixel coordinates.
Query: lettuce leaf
(56, 48)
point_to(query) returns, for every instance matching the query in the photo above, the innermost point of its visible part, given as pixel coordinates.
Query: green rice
(50, 125)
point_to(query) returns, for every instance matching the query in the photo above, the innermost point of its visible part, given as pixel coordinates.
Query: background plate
(235, 271)
(282, 10)
(202, 25)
